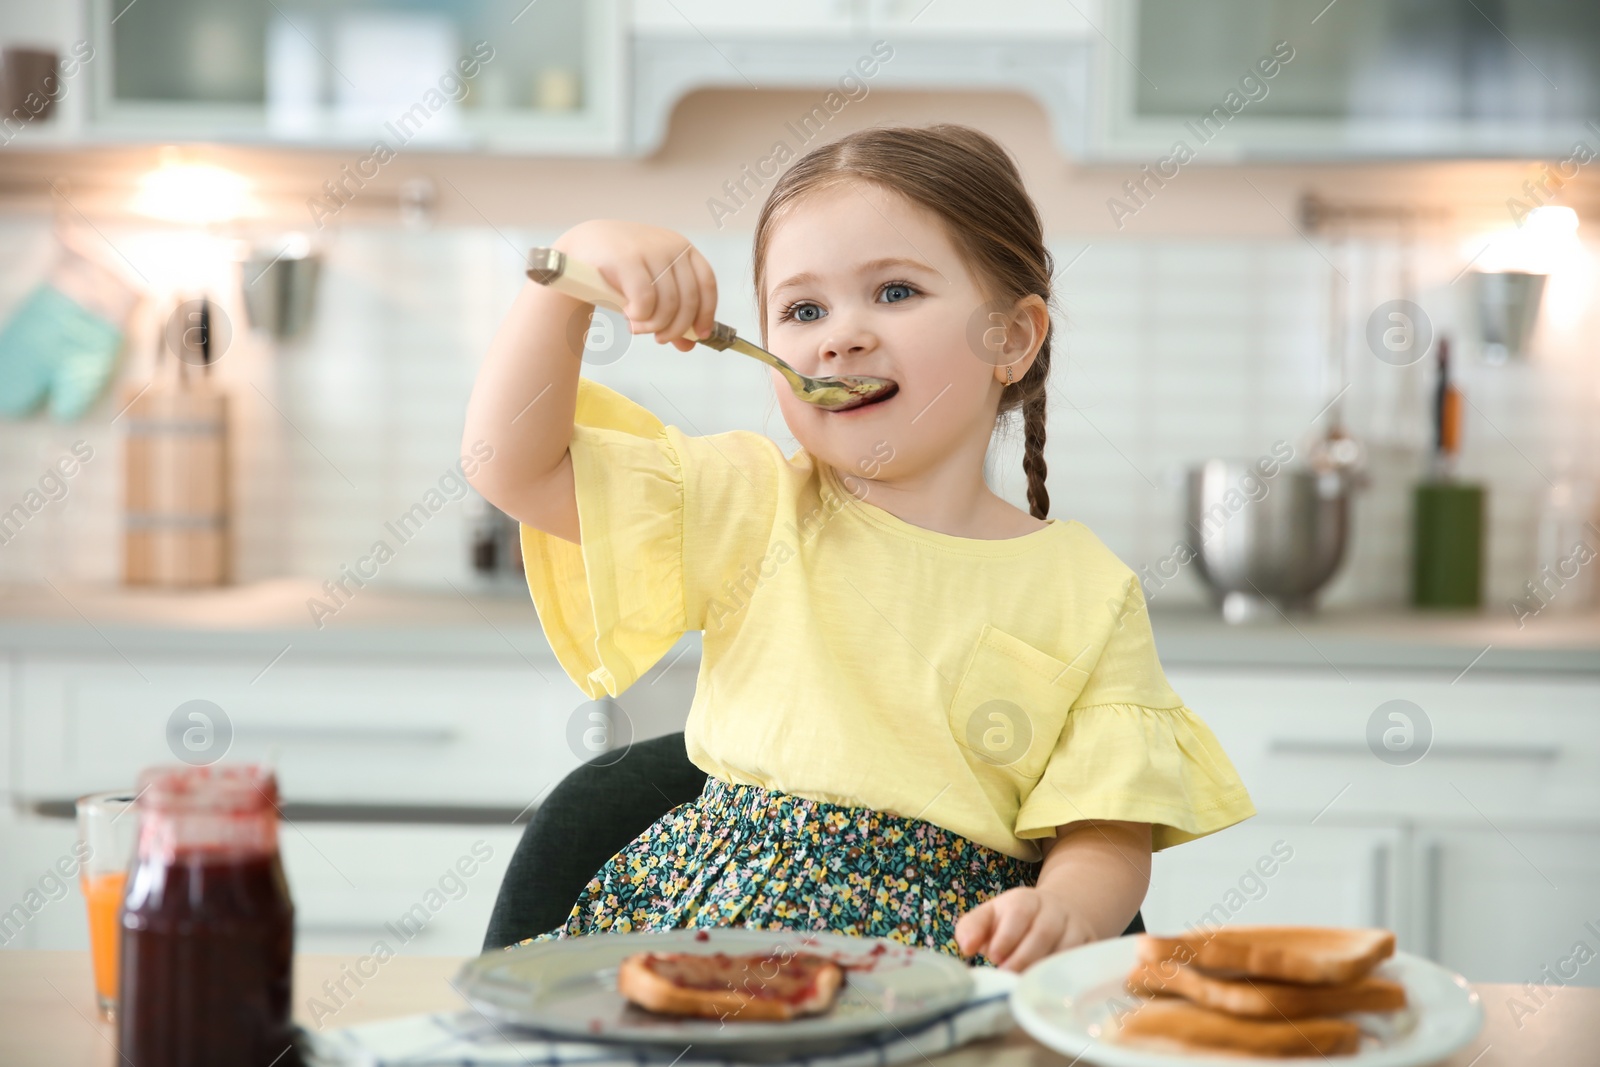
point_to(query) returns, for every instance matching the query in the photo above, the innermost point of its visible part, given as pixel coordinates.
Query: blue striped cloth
(469, 1039)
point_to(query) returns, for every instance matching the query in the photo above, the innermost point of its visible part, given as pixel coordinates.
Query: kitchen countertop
(47, 1015)
(466, 621)
(499, 622)
(1371, 639)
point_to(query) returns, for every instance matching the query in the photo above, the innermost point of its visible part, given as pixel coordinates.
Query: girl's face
(862, 281)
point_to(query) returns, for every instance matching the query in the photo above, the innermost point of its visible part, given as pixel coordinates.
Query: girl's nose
(846, 341)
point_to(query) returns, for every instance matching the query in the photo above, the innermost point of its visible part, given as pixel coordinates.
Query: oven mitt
(54, 344)
(25, 354)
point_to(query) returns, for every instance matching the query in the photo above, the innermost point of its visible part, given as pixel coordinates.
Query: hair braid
(1033, 464)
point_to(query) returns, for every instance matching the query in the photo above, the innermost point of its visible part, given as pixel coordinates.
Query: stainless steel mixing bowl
(1265, 544)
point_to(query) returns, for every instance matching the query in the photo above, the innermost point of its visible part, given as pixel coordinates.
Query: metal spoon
(559, 271)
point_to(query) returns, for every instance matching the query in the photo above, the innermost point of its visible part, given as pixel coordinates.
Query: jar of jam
(207, 924)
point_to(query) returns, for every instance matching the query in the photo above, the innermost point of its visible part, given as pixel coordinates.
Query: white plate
(568, 988)
(1070, 1002)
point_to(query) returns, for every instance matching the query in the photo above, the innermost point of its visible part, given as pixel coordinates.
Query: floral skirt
(740, 855)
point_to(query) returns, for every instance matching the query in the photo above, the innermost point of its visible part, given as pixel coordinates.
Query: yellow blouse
(996, 688)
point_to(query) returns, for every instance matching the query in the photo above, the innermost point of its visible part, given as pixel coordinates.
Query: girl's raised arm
(525, 396)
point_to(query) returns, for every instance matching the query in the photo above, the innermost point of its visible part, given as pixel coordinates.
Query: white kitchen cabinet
(39, 908)
(1362, 81)
(353, 885)
(420, 890)
(1498, 745)
(495, 75)
(9, 724)
(185, 71)
(362, 733)
(413, 733)
(1483, 851)
(1279, 872)
(1511, 904)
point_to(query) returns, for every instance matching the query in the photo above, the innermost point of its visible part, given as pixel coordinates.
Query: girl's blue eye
(804, 311)
(799, 311)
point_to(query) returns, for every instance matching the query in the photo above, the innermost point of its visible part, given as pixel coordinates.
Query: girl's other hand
(667, 285)
(1021, 926)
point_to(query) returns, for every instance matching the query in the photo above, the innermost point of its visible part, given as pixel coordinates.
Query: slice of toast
(1307, 954)
(761, 987)
(1173, 1025)
(1263, 998)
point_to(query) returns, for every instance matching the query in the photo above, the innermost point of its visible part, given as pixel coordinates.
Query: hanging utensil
(280, 287)
(1337, 451)
(553, 268)
(205, 336)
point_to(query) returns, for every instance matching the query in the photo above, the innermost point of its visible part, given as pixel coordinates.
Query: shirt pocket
(1011, 703)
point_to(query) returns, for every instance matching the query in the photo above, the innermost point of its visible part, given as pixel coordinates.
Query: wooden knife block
(176, 529)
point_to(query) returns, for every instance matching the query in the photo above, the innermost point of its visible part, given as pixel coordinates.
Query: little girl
(923, 713)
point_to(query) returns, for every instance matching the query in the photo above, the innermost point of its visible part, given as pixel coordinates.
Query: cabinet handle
(1292, 746)
(1380, 885)
(1432, 881)
(354, 929)
(352, 735)
(311, 811)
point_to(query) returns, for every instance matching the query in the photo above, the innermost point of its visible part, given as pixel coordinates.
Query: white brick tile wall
(1166, 352)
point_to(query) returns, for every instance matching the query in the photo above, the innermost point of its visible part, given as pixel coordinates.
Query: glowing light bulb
(1543, 244)
(196, 193)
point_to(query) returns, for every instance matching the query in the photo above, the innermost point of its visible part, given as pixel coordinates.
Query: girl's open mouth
(878, 399)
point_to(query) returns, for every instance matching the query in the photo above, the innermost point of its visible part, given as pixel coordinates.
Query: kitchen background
(1234, 304)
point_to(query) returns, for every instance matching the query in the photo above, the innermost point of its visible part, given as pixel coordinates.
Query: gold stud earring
(1008, 375)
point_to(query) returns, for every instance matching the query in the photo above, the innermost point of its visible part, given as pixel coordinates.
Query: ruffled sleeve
(664, 519)
(612, 605)
(1131, 750)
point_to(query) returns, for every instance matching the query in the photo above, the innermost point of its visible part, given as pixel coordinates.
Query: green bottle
(1447, 545)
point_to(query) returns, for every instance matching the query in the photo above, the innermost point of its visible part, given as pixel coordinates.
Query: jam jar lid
(240, 788)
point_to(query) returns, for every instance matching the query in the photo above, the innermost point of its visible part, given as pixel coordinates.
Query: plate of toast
(1243, 994)
(726, 988)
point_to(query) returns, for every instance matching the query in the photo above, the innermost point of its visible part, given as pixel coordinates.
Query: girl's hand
(667, 284)
(1020, 926)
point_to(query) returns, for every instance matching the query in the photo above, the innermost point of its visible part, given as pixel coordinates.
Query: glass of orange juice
(108, 824)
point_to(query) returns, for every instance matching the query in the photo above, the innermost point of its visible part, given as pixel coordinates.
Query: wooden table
(48, 1018)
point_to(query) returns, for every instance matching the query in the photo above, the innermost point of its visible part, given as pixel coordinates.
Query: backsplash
(1168, 351)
